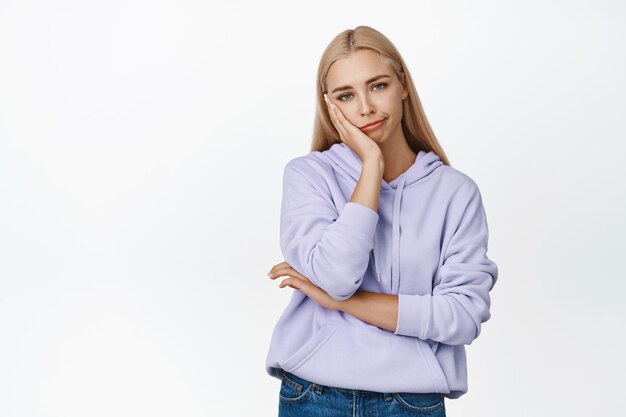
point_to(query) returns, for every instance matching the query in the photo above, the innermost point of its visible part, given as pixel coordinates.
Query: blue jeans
(302, 398)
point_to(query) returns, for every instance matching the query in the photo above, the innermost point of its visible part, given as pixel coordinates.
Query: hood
(344, 158)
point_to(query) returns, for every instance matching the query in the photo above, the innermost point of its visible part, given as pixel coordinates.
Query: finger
(287, 282)
(332, 112)
(280, 271)
(292, 272)
(286, 270)
(272, 270)
(328, 104)
(343, 122)
(276, 270)
(338, 122)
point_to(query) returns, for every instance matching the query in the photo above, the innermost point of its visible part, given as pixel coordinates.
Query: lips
(373, 123)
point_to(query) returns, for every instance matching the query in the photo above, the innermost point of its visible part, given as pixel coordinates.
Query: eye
(382, 86)
(342, 96)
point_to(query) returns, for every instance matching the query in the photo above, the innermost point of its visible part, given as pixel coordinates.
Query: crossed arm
(378, 309)
(381, 310)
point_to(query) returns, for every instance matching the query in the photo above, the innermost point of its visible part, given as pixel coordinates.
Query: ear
(405, 92)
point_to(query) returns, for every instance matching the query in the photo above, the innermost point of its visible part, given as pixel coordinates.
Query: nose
(366, 106)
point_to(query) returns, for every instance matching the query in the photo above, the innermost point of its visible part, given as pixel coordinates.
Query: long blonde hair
(415, 126)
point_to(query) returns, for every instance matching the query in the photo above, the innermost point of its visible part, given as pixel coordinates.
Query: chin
(378, 137)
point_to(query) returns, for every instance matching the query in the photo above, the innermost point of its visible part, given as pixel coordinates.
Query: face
(367, 90)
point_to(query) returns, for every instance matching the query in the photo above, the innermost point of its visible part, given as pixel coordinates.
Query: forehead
(356, 68)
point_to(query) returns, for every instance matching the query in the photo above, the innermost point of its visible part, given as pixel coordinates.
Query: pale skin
(384, 153)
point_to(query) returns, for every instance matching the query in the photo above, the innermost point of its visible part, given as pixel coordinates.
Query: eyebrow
(346, 87)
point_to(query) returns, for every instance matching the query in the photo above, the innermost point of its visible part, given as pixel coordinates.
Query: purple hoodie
(427, 243)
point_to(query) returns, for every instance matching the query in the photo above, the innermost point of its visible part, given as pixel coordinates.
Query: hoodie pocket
(436, 371)
(310, 347)
(368, 358)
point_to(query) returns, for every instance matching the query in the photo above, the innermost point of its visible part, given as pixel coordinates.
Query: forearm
(381, 310)
(367, 190)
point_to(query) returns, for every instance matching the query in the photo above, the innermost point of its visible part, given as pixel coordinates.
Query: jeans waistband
(306, 382)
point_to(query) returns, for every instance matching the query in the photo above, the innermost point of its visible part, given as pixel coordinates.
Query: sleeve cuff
(413, 314)
(359, 218)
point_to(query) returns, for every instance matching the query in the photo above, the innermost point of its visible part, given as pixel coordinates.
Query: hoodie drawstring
(395, 239)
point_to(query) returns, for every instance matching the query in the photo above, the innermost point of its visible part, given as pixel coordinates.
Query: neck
(397, 154)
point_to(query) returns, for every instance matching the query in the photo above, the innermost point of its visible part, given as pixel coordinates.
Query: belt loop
(318, 388)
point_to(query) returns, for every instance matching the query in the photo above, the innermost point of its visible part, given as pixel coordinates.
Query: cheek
(394, 109)
(393, 104)
(399, 110)
(349, 111)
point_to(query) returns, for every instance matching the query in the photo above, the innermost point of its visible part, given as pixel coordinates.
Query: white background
(141, 153)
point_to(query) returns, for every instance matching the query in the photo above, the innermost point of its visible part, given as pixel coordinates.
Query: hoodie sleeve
(332, 250)
(460, 300)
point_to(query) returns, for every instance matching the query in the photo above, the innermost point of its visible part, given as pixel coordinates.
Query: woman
(385, 244)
